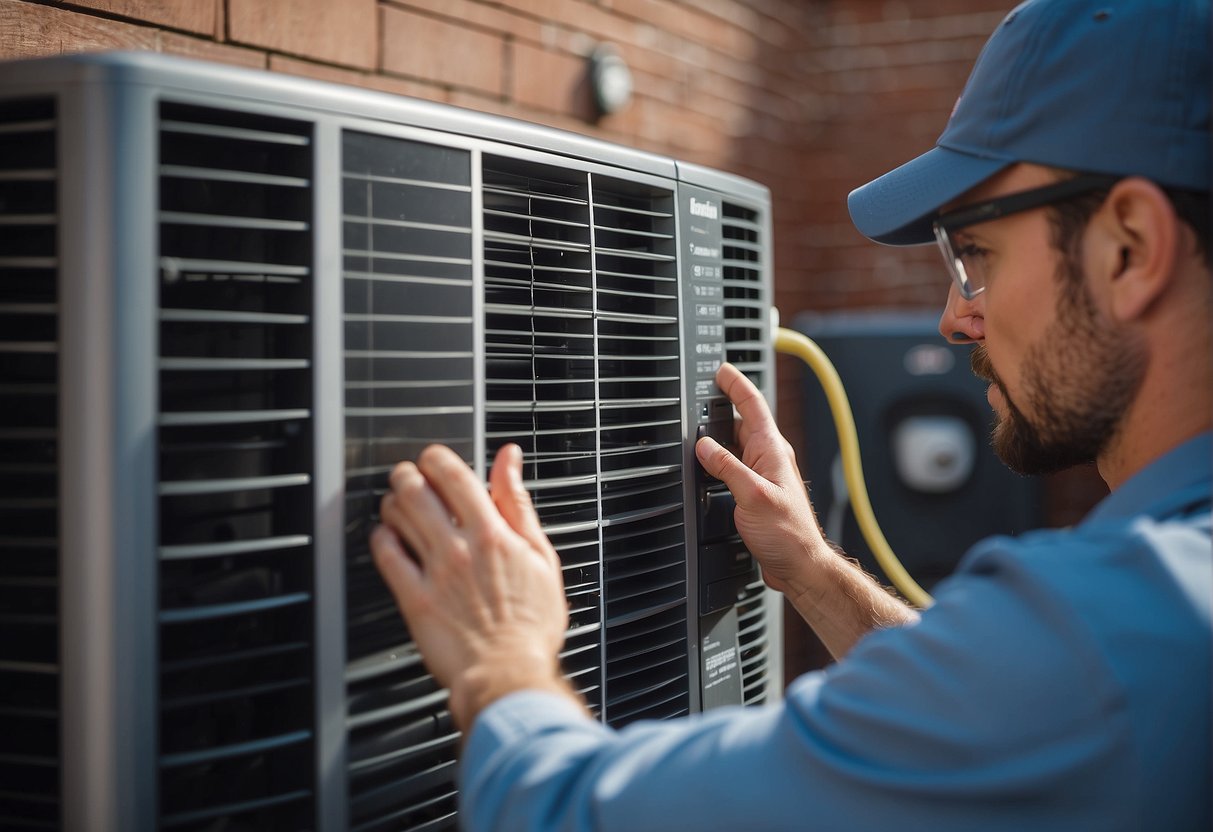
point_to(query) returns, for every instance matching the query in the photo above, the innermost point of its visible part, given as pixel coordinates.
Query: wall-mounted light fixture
(610, 79)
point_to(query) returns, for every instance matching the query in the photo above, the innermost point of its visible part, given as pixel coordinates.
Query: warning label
(720, 678)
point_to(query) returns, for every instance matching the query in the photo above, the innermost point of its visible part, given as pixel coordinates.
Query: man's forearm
(842, 603)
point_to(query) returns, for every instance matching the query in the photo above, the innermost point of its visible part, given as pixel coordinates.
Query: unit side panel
(30, 574)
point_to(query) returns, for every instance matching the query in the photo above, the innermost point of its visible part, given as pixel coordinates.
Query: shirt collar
(1178, 477)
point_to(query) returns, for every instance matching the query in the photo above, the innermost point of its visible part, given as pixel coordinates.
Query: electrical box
(924, 436)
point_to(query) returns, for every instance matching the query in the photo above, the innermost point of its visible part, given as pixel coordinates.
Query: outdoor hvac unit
(229, 302)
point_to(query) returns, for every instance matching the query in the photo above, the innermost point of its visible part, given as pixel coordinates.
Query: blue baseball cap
(1118, 87)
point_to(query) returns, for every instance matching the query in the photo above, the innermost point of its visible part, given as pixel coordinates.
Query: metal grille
(745, 334)
(643, 538)
(753, 645)
(582, 361)
(409, 382)
(540, 376)
(29, 508)
(745, 307)
(235, 530)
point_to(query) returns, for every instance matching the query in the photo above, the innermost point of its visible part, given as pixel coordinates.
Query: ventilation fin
(745, 333)
(644, 540)
(745, 322)
(540, 376)
(583, 373)
(236, 602)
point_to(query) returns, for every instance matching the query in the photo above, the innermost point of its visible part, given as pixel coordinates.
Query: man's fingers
(730, 470)
(397, 566)
(455, 484)
(413, 510)
(512, 499)
(750, 404)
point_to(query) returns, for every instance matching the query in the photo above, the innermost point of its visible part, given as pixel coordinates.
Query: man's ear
(1139, 246)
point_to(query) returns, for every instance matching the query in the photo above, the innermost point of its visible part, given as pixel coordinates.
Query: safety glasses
(967, 262)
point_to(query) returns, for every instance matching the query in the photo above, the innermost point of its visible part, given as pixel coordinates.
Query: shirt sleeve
(996, 700)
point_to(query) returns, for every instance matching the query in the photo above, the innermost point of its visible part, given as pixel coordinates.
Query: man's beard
(1077, 383)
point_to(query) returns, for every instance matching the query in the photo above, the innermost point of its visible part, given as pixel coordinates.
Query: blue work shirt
(1061, 681)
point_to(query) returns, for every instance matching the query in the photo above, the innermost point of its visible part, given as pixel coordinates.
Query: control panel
(722, 566)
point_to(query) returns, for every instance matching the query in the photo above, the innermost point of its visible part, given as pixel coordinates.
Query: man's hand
(774, 517)
(475, 577)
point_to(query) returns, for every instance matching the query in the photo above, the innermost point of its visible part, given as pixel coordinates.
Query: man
(1061, 680)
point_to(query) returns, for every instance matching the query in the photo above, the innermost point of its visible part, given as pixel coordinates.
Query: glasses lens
(967, 281)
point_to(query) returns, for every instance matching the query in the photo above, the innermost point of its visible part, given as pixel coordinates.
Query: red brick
(688, 22)
(435, 50)
(173, 43)
(191, 15)
(493, 19)
(338, 32)
(29, 30)
(552, 81)
(583, 16)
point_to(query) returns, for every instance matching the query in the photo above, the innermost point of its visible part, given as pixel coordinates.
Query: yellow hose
(793, 343)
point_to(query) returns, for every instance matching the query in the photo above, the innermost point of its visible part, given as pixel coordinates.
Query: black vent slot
(649, 667)
(410, 382)
(540, 384)
(752, 644)
(235, 440)
(644, 540)
(29, 483)
(745, 315)
(583, 372)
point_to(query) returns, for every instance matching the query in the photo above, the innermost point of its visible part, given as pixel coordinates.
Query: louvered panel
(539, 309)
(645, 564)
(745, 305)
(753, 644)
(745, 328)
(402, 743)
(29, 483)
(640, 414)
(409, 382)
(540, 385)
(236, 611)
(646, 683)
(579, 548)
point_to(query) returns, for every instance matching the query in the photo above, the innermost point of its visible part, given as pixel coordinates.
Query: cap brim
(898, 208)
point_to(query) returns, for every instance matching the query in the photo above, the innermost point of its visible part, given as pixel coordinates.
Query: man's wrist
(809, 570)
(483, 684)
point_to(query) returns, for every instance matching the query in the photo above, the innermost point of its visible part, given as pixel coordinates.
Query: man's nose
(963, 321)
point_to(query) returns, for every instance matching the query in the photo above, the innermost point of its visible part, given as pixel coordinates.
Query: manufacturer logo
(704, 209)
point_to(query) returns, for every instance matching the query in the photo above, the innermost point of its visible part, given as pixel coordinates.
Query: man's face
(1076, 383)
(1061, 373)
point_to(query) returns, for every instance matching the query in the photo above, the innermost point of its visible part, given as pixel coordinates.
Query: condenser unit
(229, 302)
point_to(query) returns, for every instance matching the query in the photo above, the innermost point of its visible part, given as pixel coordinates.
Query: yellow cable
(793, 343)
